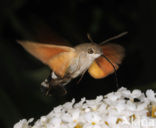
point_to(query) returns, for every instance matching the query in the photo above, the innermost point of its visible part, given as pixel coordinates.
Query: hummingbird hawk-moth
(68, 63)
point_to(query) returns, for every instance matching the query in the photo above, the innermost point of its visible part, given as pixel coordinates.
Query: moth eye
(90, 51)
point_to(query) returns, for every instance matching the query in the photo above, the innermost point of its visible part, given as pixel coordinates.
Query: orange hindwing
(101, 68)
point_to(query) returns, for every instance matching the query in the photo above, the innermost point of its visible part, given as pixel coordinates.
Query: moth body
(67, 63)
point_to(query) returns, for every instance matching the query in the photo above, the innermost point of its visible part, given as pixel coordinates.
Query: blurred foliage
(21, 74)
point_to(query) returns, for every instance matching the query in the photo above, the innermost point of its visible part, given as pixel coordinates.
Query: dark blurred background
(21, 74)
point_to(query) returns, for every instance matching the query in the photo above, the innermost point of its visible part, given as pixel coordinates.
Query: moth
(67, 63)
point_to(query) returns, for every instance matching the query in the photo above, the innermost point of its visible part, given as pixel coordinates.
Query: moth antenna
(89, 37)
(116, 79)
(114, 37)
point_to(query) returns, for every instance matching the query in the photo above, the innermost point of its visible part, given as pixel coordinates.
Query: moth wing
(101, 68)
(56, 56)
(61, 62)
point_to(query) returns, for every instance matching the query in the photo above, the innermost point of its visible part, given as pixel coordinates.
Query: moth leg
(45, 85)
(48, 83)
(78, 65)
(59, 90)
(54, 89)
(81, 76)
(54, 84)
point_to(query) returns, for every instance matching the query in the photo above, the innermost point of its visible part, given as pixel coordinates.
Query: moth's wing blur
(56, 56)
(101, 67)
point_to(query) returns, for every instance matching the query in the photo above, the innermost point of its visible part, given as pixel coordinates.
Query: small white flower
(136, 93)
(56, 122)
(102, 107)
(69, 105)
(80, 104)
(151, 95)
(112, 96)
(22, 124)
(66, 118)
(120, 105)
(131, 106)
(74, 114)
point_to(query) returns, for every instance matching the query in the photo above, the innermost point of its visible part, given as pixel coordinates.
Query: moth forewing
(44, 52)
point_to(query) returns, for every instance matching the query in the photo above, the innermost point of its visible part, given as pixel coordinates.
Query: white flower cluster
(121, 109)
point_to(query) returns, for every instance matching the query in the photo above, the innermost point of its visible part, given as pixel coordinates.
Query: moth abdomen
(54, 84)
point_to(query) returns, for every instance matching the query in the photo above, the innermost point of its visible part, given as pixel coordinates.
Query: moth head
(92, 50)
